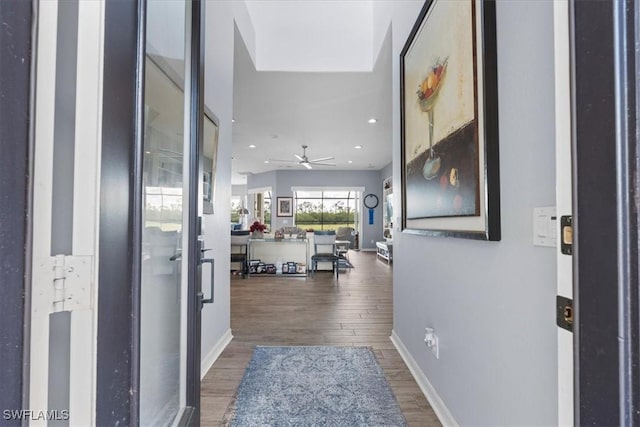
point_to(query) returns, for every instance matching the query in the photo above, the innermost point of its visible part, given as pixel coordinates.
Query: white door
(563, 201)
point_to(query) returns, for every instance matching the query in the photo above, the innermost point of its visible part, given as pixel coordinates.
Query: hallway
(314, 311)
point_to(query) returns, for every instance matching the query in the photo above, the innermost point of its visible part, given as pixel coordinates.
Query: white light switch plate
(545, 227)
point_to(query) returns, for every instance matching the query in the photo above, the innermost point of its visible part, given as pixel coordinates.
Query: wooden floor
(356, 311)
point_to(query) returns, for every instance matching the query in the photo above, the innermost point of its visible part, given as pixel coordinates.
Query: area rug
(314, 386)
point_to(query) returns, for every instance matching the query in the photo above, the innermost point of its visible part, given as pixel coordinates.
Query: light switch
(545, 227)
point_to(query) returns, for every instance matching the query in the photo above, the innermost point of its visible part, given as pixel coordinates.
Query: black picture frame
(209, 161)
(284, 206)
(450, 167)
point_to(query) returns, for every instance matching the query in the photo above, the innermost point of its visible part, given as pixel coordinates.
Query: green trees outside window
(325, 210)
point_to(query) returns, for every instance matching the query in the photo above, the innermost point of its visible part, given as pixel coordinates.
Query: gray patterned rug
(314, 386)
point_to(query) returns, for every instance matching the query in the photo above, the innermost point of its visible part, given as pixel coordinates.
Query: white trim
(41, 288)
(438, 406)
(564, 265)
(208, 361)
(86, 201)
(82, 380)
(258, 190)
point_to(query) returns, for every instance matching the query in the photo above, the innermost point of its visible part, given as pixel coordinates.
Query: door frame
(118, 338)
(605, 206)
(15, 192)
(564, 273)
(196, 143)
(119, 250)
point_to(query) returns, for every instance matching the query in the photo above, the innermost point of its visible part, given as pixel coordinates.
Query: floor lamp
(243, 212)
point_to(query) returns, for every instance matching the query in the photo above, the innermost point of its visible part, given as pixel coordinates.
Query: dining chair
(324, 245)
(240, 249)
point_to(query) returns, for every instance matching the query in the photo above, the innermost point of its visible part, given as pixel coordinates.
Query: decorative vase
(257, 235)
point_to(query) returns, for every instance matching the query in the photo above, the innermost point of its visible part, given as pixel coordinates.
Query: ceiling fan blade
(299, 157)
(307, 165)
(283, 161)
(322, 159)
(323, 164)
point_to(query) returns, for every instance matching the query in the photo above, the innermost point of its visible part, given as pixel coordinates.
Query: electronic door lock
(564, 313)
(566, 234)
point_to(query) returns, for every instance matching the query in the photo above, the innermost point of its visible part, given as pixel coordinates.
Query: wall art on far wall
(449, 114)
(285, 206)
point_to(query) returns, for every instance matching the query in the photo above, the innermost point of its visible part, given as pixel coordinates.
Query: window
(326, 210)
(266, 207)
(236, 204)
(260, 210)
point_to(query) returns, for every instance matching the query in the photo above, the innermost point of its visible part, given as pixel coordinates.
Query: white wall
(387, 172)
(349, 47)
(239, 190)
(491, 304)
(219, 36)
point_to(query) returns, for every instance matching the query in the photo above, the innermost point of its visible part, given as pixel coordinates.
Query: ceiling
(279, 111)
(312, 35)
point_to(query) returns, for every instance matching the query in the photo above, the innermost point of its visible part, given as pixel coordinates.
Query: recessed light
(357, 147)
(252, 146)
(233, 120)
(350, 161)
(372, 120)
(147, 152)
(266, 161)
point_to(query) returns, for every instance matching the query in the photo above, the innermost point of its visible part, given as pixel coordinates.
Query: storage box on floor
(258, 267)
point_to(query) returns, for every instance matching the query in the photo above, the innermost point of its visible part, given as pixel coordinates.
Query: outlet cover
(435, 348)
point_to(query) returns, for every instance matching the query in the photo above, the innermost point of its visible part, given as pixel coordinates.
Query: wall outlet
(431, 340)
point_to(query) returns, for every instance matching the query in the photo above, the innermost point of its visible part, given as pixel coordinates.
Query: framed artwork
(449, 122)
(209, 162)
(285, 206)
(207, 190)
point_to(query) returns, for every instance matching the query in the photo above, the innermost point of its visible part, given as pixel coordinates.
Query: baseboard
(208, 361)
(441, 410)
(369, 250)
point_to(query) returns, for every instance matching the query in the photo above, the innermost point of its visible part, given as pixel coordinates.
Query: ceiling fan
(304, 160)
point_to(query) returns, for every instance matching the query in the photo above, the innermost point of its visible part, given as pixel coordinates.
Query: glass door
(165, 211)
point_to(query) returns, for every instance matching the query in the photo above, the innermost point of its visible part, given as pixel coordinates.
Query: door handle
(202, 299)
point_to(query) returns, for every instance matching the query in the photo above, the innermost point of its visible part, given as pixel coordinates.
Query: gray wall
(386, 172)
(281, 182)
(261, 180)
(492, 304)
(239, 190)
